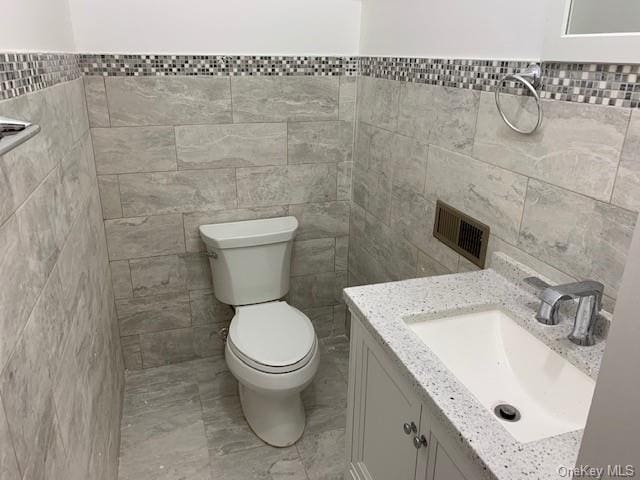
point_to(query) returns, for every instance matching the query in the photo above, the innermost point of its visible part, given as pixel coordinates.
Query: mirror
(598, 17)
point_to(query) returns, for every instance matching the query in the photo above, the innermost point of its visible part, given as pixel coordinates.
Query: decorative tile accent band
(596, 83)
(22, 73)
(216, 65)
(603, 84)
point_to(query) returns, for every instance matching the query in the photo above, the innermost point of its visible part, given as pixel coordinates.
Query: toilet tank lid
(249, 233)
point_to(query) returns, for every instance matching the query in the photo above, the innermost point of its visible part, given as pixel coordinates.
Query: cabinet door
(387, 452)
(444, 468)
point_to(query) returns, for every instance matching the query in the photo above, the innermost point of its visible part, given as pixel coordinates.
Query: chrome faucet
(589, 295)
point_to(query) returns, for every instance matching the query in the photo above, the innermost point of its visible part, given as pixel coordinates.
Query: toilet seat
(272, 337)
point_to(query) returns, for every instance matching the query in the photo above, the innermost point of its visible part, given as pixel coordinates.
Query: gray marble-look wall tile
(52, 111)
(465, 265)
(378, 102)
(207, 309)
(345, 172)
(372, 191)
(44, 222)
(158, 275)
(580, 236)
(121, 279)
(169, 346)
(342, 253)
(173, 192)
(134, 149)
(443, 116)
(348, 98)
(132, 352)
(317, 290)
(198, 271)
(8, 463)
(577, 148)
(207, 341)
(239, 145)
(77, 107)
(264, 186)
(491, 194)
(282, 99)
(321, 220)
(409, 160)
(341, 325)
(110, 196)
(23, 168)
(168, 100)
(381, 251)
(192, 221)
(428, 266)
(144, 236)
(626, 193)
(319, 142)
(27, 395)
(154, 313)
(96, 101)
(313, 256)
(322, 320)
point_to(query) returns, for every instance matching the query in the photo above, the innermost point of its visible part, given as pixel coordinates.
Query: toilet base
(278, 420)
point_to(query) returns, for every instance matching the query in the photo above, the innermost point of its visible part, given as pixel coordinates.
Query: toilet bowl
(272, 348)
(272, 351)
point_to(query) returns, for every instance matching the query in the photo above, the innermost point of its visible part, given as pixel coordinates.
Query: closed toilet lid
(272, 337)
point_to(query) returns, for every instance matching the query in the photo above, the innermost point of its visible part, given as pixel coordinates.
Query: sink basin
(500, 362)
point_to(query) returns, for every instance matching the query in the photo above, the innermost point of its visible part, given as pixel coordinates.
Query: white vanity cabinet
(390, 434)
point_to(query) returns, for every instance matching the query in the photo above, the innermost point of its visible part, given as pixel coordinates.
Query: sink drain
(507, 412)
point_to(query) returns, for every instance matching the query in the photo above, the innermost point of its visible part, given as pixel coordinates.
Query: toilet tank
(250, 260)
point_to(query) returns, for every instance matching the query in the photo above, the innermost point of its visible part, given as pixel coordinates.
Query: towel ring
(530, 78)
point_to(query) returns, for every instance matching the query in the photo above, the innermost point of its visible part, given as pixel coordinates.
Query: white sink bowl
(500, 362)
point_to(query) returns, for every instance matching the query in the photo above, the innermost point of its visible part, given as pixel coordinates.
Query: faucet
(589, 295)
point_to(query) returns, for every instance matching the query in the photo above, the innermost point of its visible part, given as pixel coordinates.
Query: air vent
(459, 231)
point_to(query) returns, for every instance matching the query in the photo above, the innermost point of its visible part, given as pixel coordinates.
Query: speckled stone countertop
(382, 308)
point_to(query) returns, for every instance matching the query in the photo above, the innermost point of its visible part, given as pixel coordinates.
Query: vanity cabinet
(390, 433)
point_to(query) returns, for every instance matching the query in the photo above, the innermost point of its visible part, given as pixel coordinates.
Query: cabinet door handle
(420, 441)
(409, 428)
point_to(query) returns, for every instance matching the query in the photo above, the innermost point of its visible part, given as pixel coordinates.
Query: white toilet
(272, 348)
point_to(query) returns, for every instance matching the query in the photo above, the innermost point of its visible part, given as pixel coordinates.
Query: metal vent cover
(462, 233)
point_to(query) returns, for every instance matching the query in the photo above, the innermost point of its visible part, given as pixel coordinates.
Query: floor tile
(323, 455)
(185, 421)
(263, 463)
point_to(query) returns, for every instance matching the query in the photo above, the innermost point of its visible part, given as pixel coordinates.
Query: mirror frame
(620, 48)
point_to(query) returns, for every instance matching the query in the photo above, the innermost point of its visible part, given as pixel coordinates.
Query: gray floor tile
(323, 455)
(184, 421)
(262, 463)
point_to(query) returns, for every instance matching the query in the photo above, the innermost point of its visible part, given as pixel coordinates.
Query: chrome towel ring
(530, 78)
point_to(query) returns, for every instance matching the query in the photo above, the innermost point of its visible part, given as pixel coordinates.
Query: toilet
(272, 348)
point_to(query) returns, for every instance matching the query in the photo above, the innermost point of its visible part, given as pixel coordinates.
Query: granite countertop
(382, 308)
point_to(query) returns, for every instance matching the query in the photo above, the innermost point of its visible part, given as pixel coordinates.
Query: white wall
(35, 26)
(217, 26)
(611, 434)
(503, 29)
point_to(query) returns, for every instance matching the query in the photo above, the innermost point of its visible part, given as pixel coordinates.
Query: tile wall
(61, 369)
(176, 152)
(563, 200)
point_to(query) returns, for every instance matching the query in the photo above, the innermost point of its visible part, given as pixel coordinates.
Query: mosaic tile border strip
(22, 73)
(597, 84)
(217, 65)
